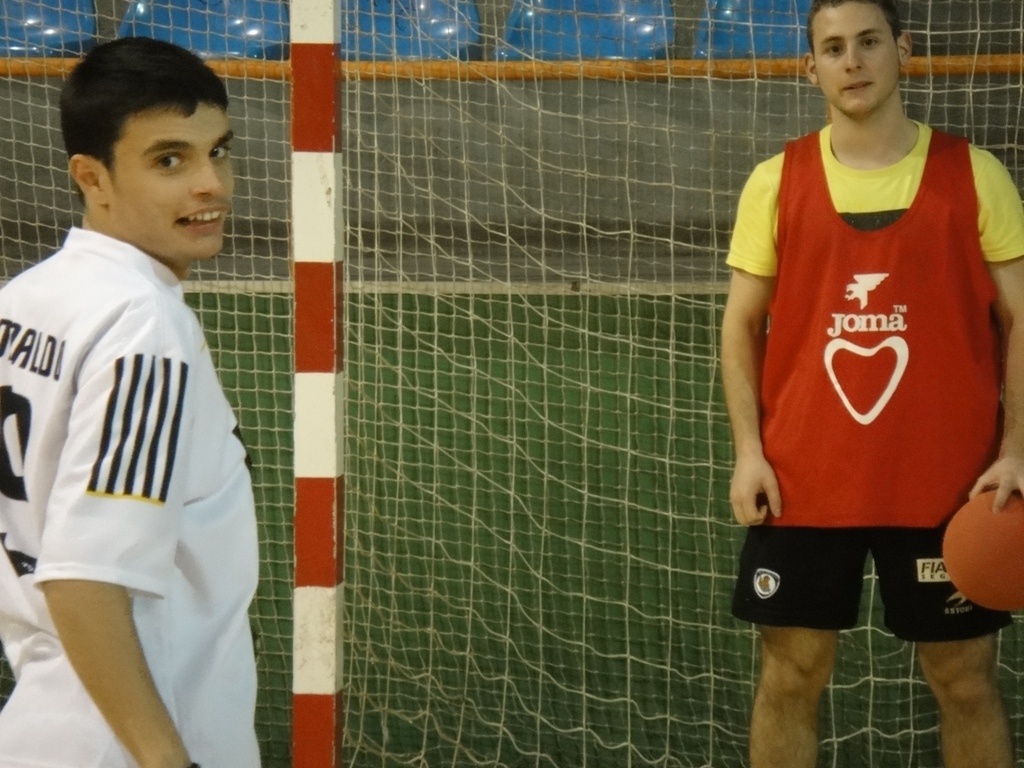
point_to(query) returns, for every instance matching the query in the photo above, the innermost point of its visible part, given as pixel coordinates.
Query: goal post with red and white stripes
(318, 712)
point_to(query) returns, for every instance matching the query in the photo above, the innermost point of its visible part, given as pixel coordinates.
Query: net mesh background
(539, 550)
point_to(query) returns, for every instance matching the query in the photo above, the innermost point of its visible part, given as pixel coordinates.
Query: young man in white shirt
(129, 549)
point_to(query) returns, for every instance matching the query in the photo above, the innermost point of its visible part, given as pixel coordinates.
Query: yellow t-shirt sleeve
(1000, 212)
(752, 247)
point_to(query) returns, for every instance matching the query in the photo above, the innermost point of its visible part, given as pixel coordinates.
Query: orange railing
(920, 66)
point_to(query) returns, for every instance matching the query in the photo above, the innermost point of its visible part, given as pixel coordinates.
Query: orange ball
(984, 552)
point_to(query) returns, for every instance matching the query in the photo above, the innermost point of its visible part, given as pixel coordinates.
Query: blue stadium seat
(588, 29)
(47, 27)
(736, 29)
(410, 29)
(213, 29)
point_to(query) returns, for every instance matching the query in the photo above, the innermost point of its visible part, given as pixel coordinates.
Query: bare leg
(796, 666)
(963, 677)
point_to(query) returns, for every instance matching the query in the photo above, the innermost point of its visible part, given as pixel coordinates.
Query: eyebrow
(840, 38)
(177, 145)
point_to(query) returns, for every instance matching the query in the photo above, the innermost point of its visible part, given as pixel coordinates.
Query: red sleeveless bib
(882, 377)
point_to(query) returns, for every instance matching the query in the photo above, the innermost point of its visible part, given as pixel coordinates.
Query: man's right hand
(754, 492)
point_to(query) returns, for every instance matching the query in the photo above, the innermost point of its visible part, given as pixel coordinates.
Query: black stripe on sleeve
(126, 425)
(141, 431)
(136, 430)
(108, 424)
(158, 430)
(172, 443)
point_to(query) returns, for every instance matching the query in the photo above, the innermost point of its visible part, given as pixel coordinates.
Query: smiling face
(856, 60)
(168, 189)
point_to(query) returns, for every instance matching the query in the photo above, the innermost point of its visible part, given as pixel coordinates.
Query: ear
(810, 68)
(905, 46)
(92, 178)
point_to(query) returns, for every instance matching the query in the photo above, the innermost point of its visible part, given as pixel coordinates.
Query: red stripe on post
(313, 97)
(317, 722)
(316, 331)
(316, 547)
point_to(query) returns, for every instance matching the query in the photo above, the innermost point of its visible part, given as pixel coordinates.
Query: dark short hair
(887, 7)
(123, 78)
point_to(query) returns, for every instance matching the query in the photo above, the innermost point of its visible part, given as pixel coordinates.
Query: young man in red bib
(887, 259)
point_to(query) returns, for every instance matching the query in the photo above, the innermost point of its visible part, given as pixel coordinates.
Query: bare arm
(1006, 475)
(744, 336)
(94, 621)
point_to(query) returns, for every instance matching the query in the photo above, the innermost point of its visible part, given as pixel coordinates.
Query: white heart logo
(895, 343)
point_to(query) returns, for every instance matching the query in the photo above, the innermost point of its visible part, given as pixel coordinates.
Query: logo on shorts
(957, 603)
(931, 570)
(766, 583)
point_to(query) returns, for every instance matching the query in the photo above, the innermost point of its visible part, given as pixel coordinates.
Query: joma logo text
(844, 323)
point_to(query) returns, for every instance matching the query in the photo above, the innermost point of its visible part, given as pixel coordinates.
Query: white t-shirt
(121, 462)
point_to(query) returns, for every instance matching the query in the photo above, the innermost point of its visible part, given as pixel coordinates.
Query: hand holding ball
(984, 552)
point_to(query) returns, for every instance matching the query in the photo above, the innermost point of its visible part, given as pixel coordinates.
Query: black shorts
(813, 577)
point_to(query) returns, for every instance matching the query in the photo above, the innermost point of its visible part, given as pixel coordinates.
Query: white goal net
(539, 546)
(539, 551)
